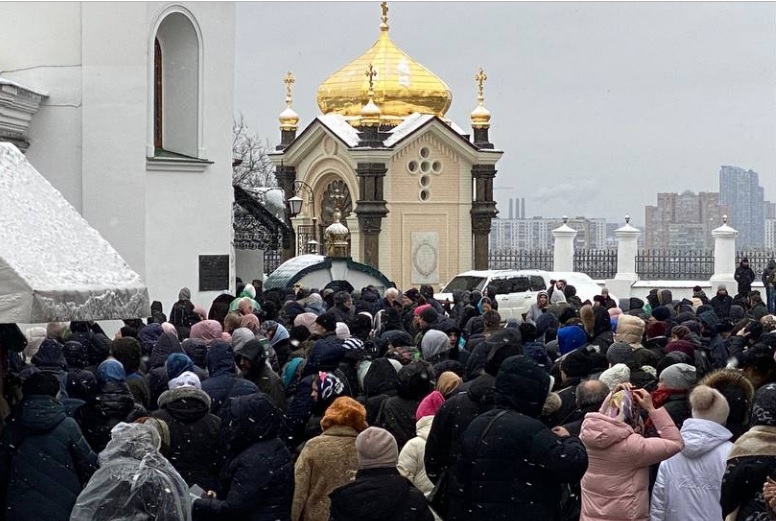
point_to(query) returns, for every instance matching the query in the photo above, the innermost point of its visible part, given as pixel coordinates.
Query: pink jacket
(616, 484)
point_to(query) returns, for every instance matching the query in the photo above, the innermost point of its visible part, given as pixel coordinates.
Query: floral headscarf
(621, 406)
(328, 386)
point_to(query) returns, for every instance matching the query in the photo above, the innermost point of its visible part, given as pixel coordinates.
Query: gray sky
(598, 106)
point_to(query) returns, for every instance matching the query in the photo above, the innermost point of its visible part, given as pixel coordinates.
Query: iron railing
(272, 259)
(521, 260)
(598, 264)
(758, 259)
(675, 264)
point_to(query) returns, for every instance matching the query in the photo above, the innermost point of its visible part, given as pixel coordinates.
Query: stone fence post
(563, 253)
(724, 257)
(627, 249)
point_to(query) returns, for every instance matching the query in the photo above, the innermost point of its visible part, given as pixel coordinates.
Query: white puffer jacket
(411, 464)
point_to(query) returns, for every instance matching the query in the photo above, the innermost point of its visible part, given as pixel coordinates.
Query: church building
(414, 189)
(126, 109)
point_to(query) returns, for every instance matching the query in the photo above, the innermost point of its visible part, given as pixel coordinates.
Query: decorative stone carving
(425, 257)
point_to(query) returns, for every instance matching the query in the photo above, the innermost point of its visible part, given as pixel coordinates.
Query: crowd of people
(336, 404)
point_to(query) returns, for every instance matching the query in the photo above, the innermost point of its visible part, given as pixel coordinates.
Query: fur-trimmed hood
(183, 393)
(588, 319)
(729, 377)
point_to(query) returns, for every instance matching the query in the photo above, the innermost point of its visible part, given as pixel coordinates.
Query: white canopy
(53, 265)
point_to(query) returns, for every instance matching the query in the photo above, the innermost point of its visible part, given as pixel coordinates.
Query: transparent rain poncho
(134, 481)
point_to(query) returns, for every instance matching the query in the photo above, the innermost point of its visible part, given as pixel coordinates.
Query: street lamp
(295, 207)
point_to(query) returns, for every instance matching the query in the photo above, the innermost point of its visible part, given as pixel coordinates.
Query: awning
(53, 265)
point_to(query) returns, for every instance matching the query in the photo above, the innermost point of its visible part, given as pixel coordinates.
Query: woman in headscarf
(207, 331)
(251, 322)
(134, 481)
(616, 484)
(539, 308)
(750, 460)
(327, 461)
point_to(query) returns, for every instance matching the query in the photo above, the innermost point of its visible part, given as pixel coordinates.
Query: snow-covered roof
(339, 125)
(272, 198)
(286, 271)
(53, 265)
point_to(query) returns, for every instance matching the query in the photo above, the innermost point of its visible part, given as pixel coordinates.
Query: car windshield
(465, 283)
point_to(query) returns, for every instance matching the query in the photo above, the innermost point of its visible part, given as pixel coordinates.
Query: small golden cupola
(289, 120)
(402, 86)
(480, 116)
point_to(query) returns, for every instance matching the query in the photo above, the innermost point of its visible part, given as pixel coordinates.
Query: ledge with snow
(53, 265)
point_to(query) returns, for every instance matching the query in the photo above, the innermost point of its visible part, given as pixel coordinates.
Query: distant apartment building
(683, 221)
(536, 233)
(770, 234)
(741, 192)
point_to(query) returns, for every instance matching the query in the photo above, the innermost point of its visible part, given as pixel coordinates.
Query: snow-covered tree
(254, 169)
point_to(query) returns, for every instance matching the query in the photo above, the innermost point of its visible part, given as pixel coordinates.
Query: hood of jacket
(185, 404)
(434, 343)
(75, 355)
(381, 378)
(601, 432)
(423, 426)
(40, 413)
(50, 356)
(413, 381)
(522, 385)
(240, 337)
(482, 388)
(196, 348)
(164, 347)
(249, 419)
(702, 436)
(220, 359)
(150, 335)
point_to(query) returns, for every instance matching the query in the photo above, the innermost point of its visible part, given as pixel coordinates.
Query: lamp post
(295, 204)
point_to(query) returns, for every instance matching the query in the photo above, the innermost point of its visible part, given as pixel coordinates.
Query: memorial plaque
(213, 272)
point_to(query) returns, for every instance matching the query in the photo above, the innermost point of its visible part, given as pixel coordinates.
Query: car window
(537, 283)
(519, 285)
(465, 283)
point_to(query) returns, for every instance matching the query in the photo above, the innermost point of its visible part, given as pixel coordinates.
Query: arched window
(176, 116)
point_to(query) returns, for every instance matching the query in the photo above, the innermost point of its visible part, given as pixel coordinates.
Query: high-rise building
(536, 233)
(770, 234)
(741, 192)
(683, 221)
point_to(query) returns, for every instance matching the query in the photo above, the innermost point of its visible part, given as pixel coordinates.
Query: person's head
(542, 300)
(522, 385)
(185, 379)
(590, 394)
(110, 371)
(744, 262)
(391, 294)
(345, 412)
(485, 304)
(326, 323)
(491, 319)
(427, 317)
(616, 374)
(128, 352)
(162, 429)
(251, 356)
(709, 404)
(326, 387)
(343, 299)
(560, 284)
(576, 364)
(764, 407)
(605, 292)
(376, 448)
(620, 353)
(678, 377)
(41, 383)
(680, 333)
(722, 290)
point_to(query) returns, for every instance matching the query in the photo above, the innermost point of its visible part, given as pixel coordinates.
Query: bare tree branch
(255, 169)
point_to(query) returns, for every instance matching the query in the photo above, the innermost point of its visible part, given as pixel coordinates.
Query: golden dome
(402, 85)
(289, 120)
(480, 116)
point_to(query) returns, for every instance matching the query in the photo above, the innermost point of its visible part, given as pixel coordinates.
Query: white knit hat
(186, 379)
(709, 404)
(617, 374)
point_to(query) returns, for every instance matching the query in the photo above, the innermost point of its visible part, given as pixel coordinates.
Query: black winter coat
(223, 382)
(157, 375)
(112, 404)
(397, 414)
(258, 482)
(516, 468)
(45, 462)
(196, 448)
(379, 494)
(744, 276)
(721, 305)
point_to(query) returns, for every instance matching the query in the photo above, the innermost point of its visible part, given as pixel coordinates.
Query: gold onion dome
(402, 86)
(289, 120)
(336, 231)
(480, 116)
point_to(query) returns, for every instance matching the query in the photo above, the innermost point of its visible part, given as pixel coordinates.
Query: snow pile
(340, 126)
(53, 265)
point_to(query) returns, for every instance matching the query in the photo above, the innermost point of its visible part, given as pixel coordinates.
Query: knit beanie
(430, 405)
(376, 448)
(617, 374)
(655, 329)
(186, 379)
(678, 376)
(327, 321)
(709, 404)
(184, 294)
(661, 313)
(347, 412)
(342, 331)
(620, 353)
(576, 364)
(429, 314)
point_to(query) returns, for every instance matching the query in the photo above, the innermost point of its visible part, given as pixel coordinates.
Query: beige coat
(411, 464)
(327, 462)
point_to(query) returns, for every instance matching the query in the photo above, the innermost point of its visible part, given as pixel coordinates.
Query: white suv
(516, 290)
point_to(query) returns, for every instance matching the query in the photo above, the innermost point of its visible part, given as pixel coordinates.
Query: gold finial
(289, 80)
(370, 113)
(371, 74)
(480, 78)
(289, 120)
(384, 17)
(480, 117)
